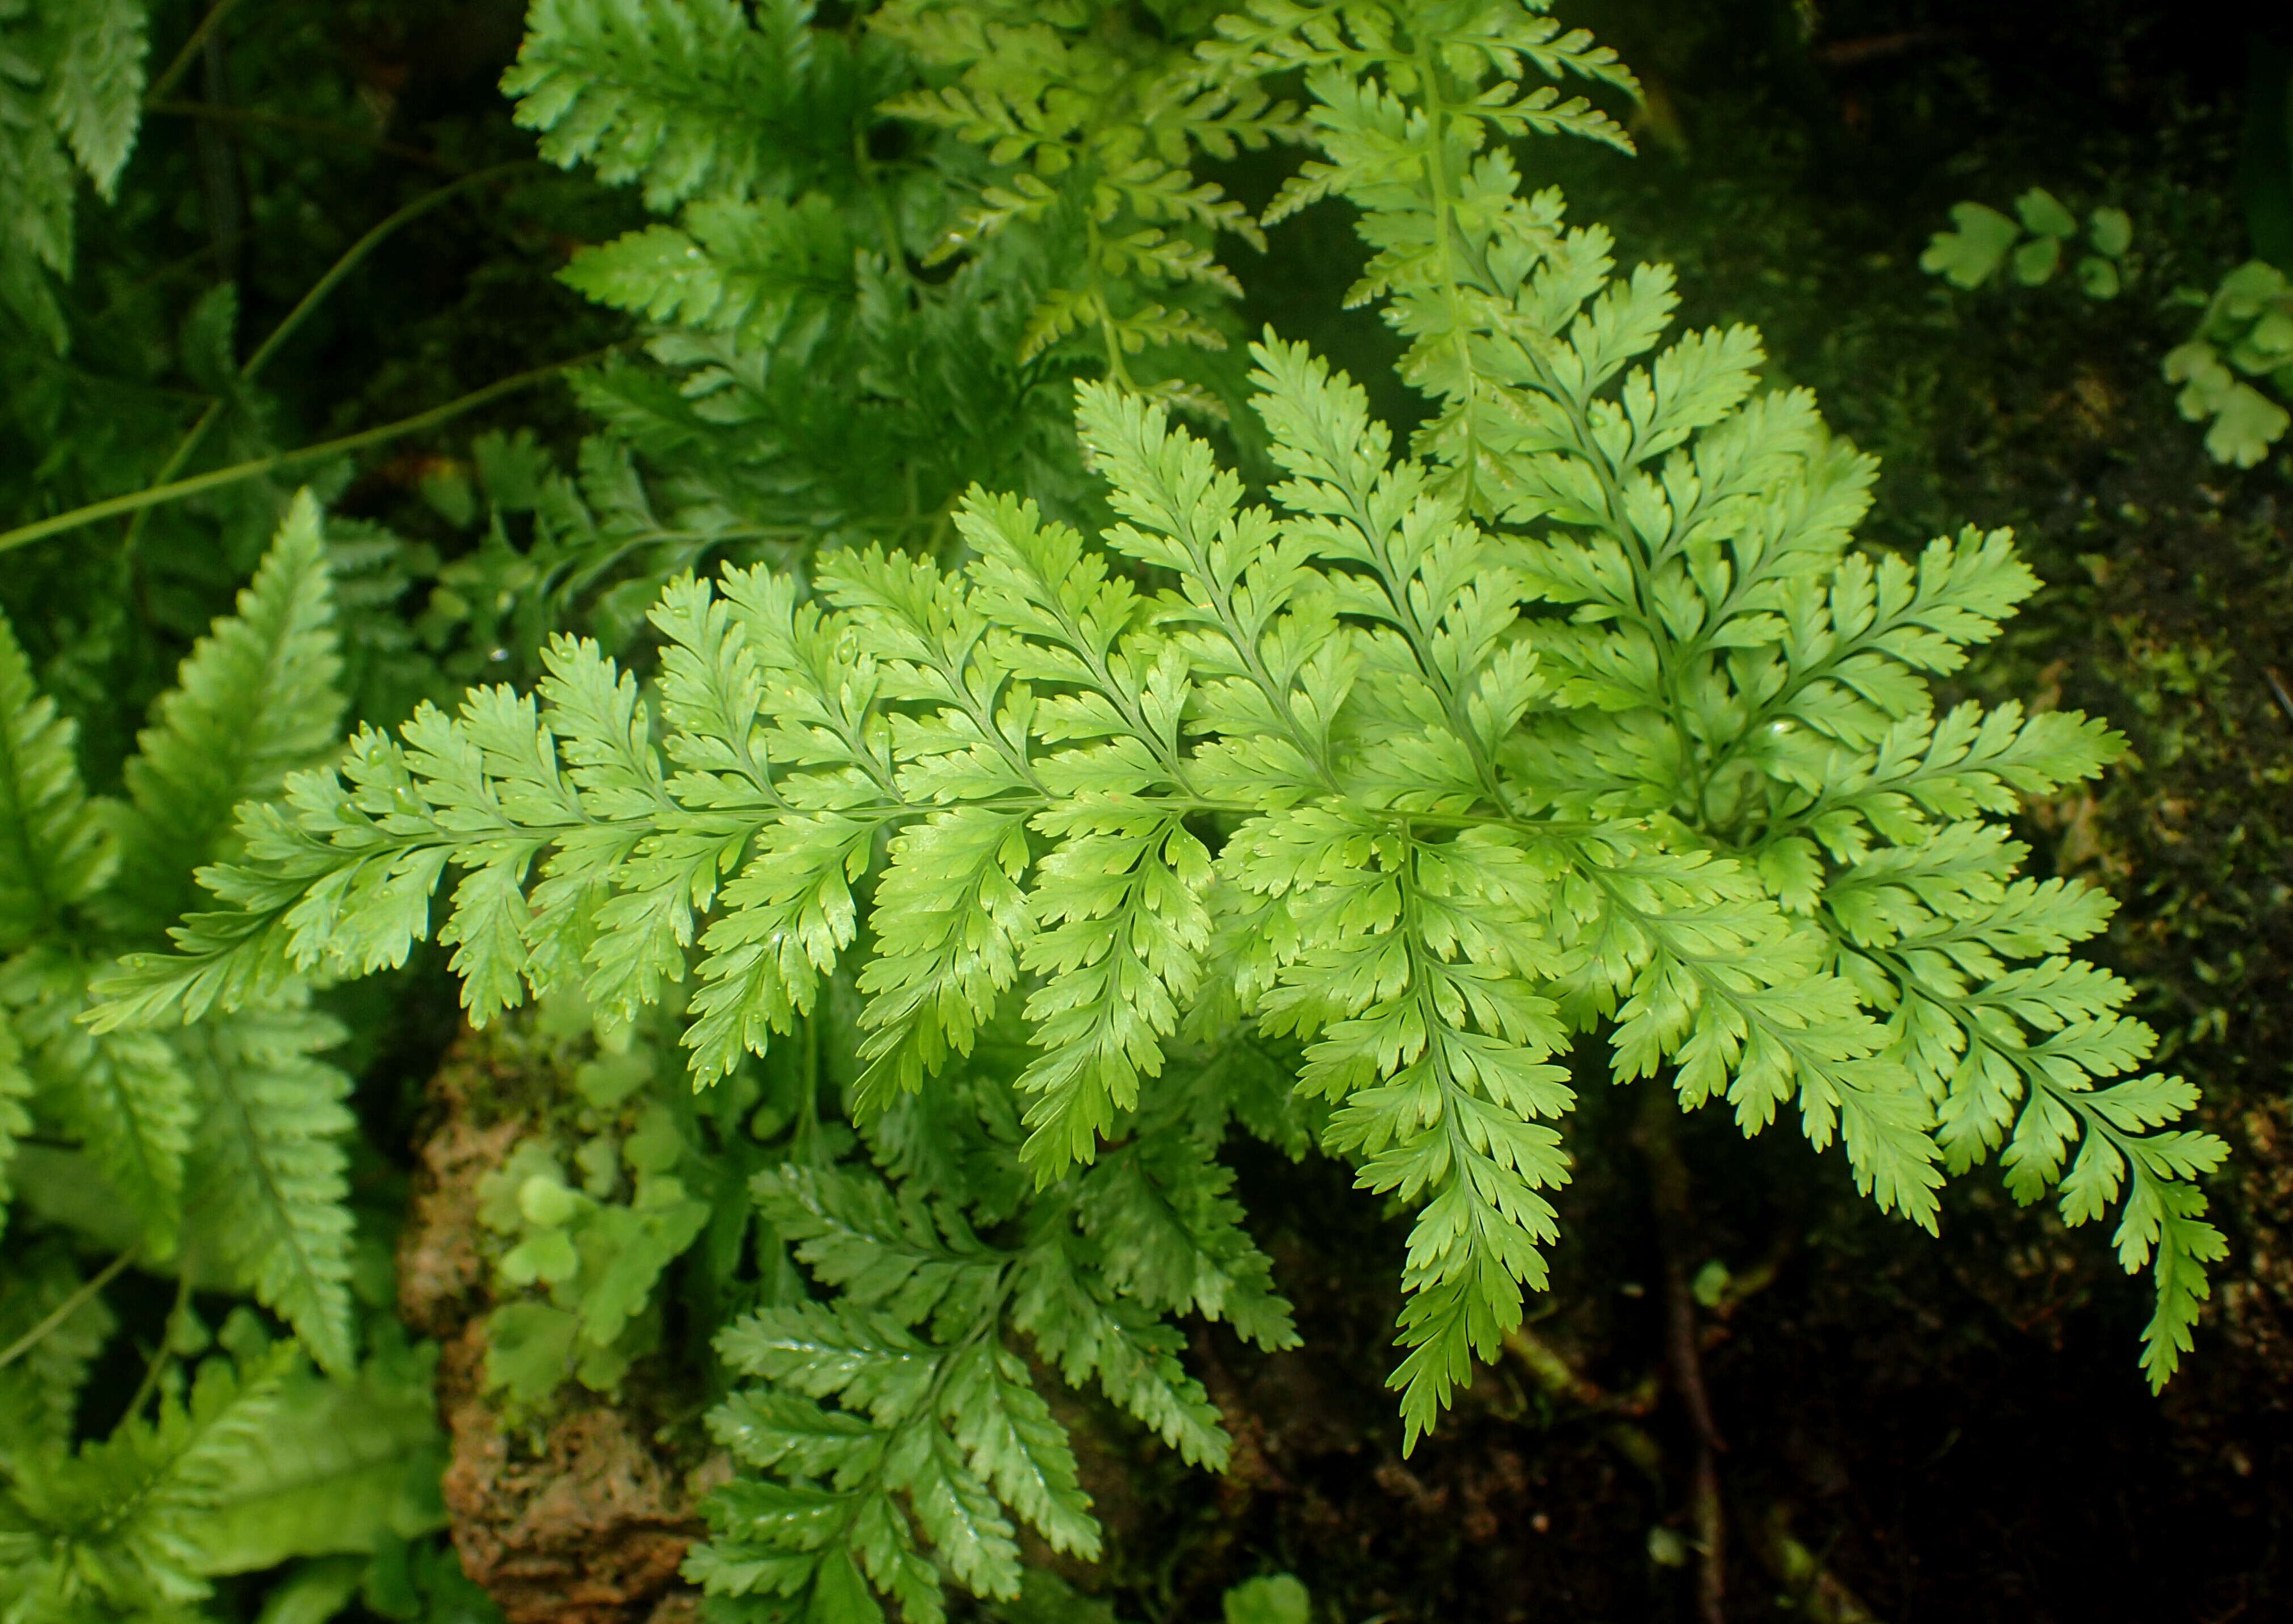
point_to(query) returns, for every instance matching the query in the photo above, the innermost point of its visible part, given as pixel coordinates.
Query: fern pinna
(1582, 720)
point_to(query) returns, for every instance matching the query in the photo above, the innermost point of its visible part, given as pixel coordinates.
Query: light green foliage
(1701, 803)
(1088, 118)
(623, 1202)
(599, 1260)
(1972, 252)
(2031, 244)
(221, 1143)
(2246, 331)
(1276, 1598)
(260, 1462)
(71, 89)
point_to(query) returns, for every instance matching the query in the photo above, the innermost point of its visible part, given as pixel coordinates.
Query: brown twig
(1656, 1137)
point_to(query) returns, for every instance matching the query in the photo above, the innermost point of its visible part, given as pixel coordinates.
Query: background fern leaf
(95, 93)
(119, 1517)
(39, 1394)
(266, 1184)
(682, 95)
(54, 852)
(342, 1466)
(16, 1121)
(255, 700)
(123, 1094)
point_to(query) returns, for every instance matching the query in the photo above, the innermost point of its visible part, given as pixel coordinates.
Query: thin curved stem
(69, 1307)
(365, 246)
(159, 1362)
(153, 496)
(294, 319)
(183, 59)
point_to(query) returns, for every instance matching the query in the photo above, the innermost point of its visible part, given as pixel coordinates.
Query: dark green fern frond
(266, 1185)
(688, 97)
(40, 1392)
(54, 850)
(256, 700)
(114, 1524)
(16, 1121)
(71, 93)
(125, 1096)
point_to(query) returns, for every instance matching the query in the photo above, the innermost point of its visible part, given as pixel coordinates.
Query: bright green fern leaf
(1580, 724)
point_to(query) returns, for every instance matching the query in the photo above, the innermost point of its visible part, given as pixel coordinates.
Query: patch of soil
(576, 1516)
(584, 1523)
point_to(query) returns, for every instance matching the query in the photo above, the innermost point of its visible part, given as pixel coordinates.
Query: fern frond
(1090, 122)
(746, 268)
(266, 1184)
(688, 97)
(1751, 680)
(123, 1094)
(339, 1468)
(116, 1522)
(926, 1396)
(39, 1394)
(54, 852)
(1582, 718)
(95, 90)
(256, 700)
(16, 1121)
(70, 95)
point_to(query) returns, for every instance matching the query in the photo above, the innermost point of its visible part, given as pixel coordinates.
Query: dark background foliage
(1956, 1428)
